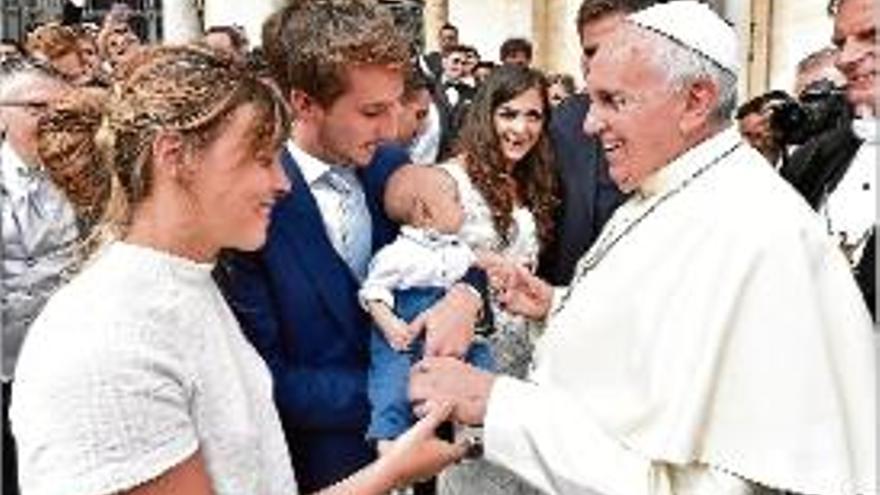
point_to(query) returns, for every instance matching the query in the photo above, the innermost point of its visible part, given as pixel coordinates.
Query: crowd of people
(332, 264)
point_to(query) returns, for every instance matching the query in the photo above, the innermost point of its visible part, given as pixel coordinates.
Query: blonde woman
(136, 378)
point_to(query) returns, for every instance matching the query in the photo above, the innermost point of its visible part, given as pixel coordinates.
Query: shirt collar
(312, 168)
(686, 165)
(866, 129)
(17, 175)
(428, 237)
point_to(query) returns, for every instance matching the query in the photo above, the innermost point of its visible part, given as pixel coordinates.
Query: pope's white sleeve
(544, 436)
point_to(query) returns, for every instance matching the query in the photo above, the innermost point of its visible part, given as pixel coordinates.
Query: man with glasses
(38, 227)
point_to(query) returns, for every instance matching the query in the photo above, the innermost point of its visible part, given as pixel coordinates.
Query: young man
(516, 51)
(660, 370)
(340, 65)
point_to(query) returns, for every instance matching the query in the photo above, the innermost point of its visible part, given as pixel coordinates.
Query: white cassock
(713, 342)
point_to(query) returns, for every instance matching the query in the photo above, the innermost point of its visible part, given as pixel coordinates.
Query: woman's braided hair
(97, 144)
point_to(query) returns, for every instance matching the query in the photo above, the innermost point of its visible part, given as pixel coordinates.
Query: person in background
(152, 388)
(588, 194)
(837, 171)
(656, 372)
(59, 46)
(516, 51)
(228, 39)
(482, 71)
(561, 86)
(117, 41)
(418, 128)
(470, 63)
(817, 66)
(504, 171)
(88, 50)
(340, 66)
(453, 97)
(10, 48)
(432, 63)
(754, 121)
(38, 228)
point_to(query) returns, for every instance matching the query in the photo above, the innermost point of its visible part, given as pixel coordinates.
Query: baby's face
(443, 200)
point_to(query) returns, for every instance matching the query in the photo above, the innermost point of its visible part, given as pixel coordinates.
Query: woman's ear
(169, 155)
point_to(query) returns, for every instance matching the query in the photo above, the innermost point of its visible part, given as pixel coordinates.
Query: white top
(720, 338)
(851, 208)
(131, 368)
(342, 203)
(416, 258)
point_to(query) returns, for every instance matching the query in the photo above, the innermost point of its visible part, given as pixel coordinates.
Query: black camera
(821, 106)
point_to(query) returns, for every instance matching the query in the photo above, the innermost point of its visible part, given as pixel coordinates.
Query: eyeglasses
(35, 108)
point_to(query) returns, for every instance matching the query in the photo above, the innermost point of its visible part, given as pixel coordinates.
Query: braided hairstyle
(97, 144)
(480, 147)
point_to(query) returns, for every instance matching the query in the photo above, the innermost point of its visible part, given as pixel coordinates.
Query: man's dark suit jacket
(296, 300)
(814, 170)
(451, 116)
(589, 196)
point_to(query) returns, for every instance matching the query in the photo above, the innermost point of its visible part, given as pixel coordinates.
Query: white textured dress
(133, 367)
(511, 343)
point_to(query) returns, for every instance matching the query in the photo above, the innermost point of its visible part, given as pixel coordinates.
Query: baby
(405, 278)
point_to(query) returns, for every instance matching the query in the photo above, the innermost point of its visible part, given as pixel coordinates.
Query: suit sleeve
(311, 397)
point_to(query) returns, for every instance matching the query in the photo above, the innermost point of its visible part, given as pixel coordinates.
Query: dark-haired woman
(504, 170)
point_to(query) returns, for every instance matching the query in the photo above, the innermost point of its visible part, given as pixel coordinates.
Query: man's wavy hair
(311, 44)
(480, 146)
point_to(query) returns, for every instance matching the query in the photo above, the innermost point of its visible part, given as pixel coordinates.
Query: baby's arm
(396, 331)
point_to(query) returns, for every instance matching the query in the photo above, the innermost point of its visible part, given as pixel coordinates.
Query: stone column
(250, 15)
(435, 14)
(180, 21)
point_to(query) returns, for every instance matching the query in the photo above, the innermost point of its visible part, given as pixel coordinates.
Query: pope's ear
(701, 99)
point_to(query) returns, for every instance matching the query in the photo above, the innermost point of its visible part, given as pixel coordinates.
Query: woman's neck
(161, 225)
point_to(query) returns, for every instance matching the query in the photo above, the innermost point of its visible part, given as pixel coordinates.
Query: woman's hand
(418, 454)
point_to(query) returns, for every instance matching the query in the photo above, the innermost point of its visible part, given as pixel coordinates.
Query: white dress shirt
(342, 203)
(851, 208)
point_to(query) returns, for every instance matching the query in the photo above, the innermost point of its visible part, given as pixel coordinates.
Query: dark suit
(451, 116)
(297, 301)
(814, 170)
(589, 196)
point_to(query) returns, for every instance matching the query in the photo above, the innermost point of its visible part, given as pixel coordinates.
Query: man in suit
(453, 96)
(836, 172)
(340, 65)
(447, 37)
(589, 196)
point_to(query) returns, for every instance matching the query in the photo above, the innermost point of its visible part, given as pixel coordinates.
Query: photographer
(836, 171)
(775, 121)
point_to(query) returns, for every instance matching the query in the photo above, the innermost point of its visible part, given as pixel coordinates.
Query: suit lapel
(298, 221)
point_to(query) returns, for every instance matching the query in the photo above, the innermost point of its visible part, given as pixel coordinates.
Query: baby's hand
(398, 334)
